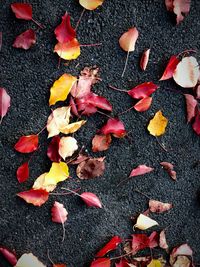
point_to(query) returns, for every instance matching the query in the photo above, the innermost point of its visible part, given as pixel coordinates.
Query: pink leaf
(25, 40)
(102, 262)
(191, 104)
(162, 241)
(143, 104)
(91, 200)
(142, 241)
(36, 197)
(171, 66)
(23, 172)
(143, 90)
(111, 245)
(4, 103)
(52, 151)
(114, 126)
(144, 59)
(73, 107)
(196, 124)
(9, 255)
(159, 207)
(169, 168)
(179, 7)
(198, 92)
(140, 170)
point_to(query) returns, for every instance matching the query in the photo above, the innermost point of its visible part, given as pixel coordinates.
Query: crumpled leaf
(169, 168)
(159, 207)
(141, 170)
(101, 142)
(91, 5)
(114, 126)
(91, 168)
(182, 261)
(64, 31)
(158, 124)
(142, 241)
(68, 51)
(102, 262)
(162, 241)
(61, 88)
(52, 151)
(169, 70)
(36, 197)
(128, 39)
(144, 59)
(186, 73)
(40, 183)
(155, 263)
(23, 172)
(67, 147)
(182, 250)
(196, 124)
(25, 40)
(180, 8)
(111, 245)
(143, 90)
(4, 103)
(22, 10)
(144, 222)
(8, 255)
(27, 144)
(59, 172)
(91, 200)
(143, 104)
(191, 104)
(28, 259)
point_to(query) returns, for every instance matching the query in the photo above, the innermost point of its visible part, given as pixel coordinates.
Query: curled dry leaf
(102, 262)
(25, 40)
(144, 59)
(141, 170)
(91, 5)
(180, 8)
(159, 207)
(4, 103)
(143, 104)
(91, 200)
(59, 172)
(23, 172)
(28, 259)
(67, 147)
(61, 88)
(158, 124)
(191, 104)
(187, 72)
(101, 142)
(27, 144)
(114, 126)
(8, 255)
(40, 183)
(162, 240)
(143, 90)
(196, 124)
(91, 168)
(144, 222)
(182, 250)
(36, 197)
(169, 168)
(68, 51)
(142, 241)
(171, 66)
(111, 245)
(52, 151)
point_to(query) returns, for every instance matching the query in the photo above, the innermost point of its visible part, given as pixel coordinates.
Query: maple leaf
(25, 40)
(40, 183)
(171, 66)
(144, 222)
(8, 255)
(159, 207)
(101, 142)
(102, 262)
(91, 200)
(169, 168)
(23, 172)
(191, 104)
(91, 168)
(67, 146)
(59, 172)
(111, 245)
(141, 170)
(4, 103)
(91, 5)
(114, 126)
(27, 144)
(143, 90)
(143, 104)
(28, 259)
(37, 197)
(144, 59)
(68, 51)
(158, 124)
(142, 241)
(52, 151)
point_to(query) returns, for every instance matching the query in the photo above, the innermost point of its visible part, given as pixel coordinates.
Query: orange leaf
(128, 39)
(70, 50)
(27, 144)
(101, 142)
(35, 197)
(91, 4)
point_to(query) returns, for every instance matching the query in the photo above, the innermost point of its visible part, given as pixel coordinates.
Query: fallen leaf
(158, 124)
(22, 10)
(144, 222)
(142, 241)
(196, 124)
(73, 107)
(27, 144)
(141, 170)
(67, 147)
(91, 5)
(114, 126)
(182, 261)
(4, 103)
(79, 159)
(180, 8)
(91, 200)
(144, 59)
(182, 250)
(59, 213)
(101, 142)
(23, 172)
(61, 88)
(191, 104)
(155, 263)
(52, 151)
(102, 262)
(36, 197)
(197, 91)
(187, 72)
(143, 90)
(28, 259)
(91, 168)
(159, 207)
(8, 255)
(111, 245)
(72, 127)
(162, 241)
(68, 51)
(170, 69)
(40, 183)
(25, 40)
(143, 104)
(169, 168)
(59, 172)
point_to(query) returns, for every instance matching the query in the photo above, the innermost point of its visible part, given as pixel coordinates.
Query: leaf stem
(38, 24)
(42, 130)
(161, 144)
(79, 20)
(126, 62)
(88, 45)
(117, 89)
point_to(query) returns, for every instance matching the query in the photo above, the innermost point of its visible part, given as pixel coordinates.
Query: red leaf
(144, 59)
(25, 40)
(9, 255)
(111, 245)
(162, 241)
(122, 263)
(59, 265)
(143, 104)
(140, 170)
(4, 103)
(159, 207)
(23, 172)
(27, 144)
(196, 124)
(103, 262)
(191, 104)
(64, 32)
(91, 200)
(101, 142)
(142, 241)
(36, 197)
(171, 66)
(22, 10)
(58, 213)
(143, 90)
(52, 151)
(169, 168)
(115, 127)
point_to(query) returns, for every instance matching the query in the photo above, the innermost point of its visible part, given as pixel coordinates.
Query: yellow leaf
(70, 50)
(91, 4)
(155, 263)
(158, 124)
(72, 127)
(144, 222)
(61, 88)
(29, 260)
(58, 173)
(39, 183)
(67, 146)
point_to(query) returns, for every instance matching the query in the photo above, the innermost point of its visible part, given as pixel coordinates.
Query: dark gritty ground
(28, 75)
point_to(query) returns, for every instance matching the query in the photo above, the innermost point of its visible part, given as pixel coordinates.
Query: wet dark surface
(28, 75)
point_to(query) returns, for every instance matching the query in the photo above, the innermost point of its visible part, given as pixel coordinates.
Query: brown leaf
(169, 168)
(91, 168)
